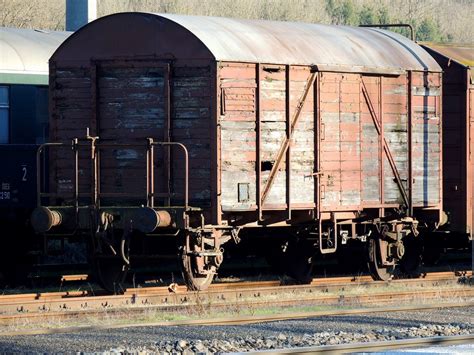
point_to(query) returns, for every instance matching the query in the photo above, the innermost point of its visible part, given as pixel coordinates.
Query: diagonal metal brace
(286, 142)
(386, 148)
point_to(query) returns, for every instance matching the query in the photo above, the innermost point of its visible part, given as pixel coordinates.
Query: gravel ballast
(263, 336)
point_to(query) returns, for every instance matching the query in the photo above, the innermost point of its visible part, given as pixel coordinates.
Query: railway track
(340, 291)
(377, 346)
(238, 320)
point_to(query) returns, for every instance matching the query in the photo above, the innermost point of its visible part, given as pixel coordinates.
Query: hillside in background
(434, 20)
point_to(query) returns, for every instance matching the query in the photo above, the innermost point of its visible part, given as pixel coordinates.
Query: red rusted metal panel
(457, 134)
(470, 174)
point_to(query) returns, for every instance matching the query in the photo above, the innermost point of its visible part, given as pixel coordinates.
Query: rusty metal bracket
(386, 148)
(286, 143)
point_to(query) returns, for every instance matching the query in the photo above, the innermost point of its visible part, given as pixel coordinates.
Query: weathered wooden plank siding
(273, 130)
(302, 147)
(130, 108)
(395, 131)
(130, 105)
(340, 140)
(70, 95)
(191, 120)
(238, 134)
(370, 144)
(426, 138)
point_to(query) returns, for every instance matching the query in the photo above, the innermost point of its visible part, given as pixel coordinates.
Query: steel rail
(216, 300)
(242, 320)
(376, 345)
(333, 284)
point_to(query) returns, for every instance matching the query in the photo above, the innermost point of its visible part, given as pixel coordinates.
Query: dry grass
(206, 310)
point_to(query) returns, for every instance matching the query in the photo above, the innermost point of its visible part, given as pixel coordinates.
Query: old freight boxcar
(212, 130)
(457, 62)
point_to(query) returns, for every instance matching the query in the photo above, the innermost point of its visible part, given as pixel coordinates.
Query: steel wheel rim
(378, 272)
(111, 274)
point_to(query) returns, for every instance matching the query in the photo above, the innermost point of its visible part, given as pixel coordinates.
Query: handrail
(186, 166)
(410, 27)
(96, 147)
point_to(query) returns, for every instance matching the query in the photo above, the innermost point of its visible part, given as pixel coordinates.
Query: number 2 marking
(24, 173)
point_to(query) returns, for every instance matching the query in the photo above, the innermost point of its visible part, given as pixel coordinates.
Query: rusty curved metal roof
(327, 46)
(26, 51)
(461, 53)
(336, 48)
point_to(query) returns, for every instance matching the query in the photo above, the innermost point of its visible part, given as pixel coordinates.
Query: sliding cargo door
(364, 142)
(340, 154)
(267, 124)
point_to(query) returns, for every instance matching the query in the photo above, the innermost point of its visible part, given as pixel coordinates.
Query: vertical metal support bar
(75, 143)
(186, 180)
(38, 175)
(94, 100)
(317, 145)
(470, 156)
(288, 136)
(215, 144)
(94, 132)
(147, 169)
(258, 144)
(94, 172)
(410, 143)
(53, 132)
(167, 133)
(98, 176)
(152, 174)
(381, 153)
(441, 143)
(469, 139)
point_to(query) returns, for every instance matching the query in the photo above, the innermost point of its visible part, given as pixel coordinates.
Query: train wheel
(112, 263)
(198, 271)
(274, 255)
(110, 273)
(431, 255)
(376, 268)
(299, 264)
(351, 257)
(432, 249)
(411, 260)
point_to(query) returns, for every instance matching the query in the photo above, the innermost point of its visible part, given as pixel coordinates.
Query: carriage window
(4, 113)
